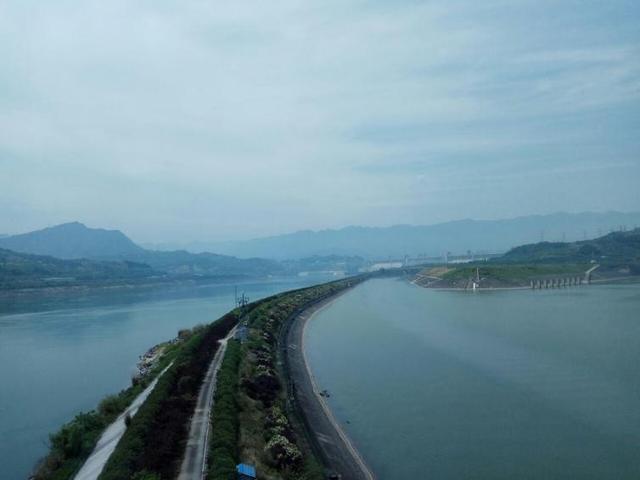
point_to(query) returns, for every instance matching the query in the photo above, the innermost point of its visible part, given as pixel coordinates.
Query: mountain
(73, 240)
(77, 241)
(614, 248)
(21, 270)
(431, 240)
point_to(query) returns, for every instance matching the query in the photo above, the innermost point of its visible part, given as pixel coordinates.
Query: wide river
(492, 385)
(59, 356)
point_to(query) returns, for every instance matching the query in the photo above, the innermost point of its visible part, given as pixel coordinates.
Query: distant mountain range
(76, 241)
(73, 253)
(494, 236)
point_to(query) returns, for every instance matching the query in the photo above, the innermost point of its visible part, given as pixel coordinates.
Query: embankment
(330, 442)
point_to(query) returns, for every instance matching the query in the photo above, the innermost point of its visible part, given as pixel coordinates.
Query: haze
(215, 120)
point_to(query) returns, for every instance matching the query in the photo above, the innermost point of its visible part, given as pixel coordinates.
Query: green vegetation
(509, 275)
(224, 429)
(493, 275)
(615, 248)
(75, 441)
(252, 419)
(271, 435)
(617, 256)
(20, 270)
(155, 440)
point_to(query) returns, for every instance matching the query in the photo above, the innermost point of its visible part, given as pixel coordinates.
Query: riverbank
(483, 276)
(127, 286)
(330, 441)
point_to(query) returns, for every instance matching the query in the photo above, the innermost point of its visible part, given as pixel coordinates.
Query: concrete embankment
(327, 437)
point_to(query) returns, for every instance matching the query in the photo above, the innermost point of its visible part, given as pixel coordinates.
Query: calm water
(60, 356)
(494, 385)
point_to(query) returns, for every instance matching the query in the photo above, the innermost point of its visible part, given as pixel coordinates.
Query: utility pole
(241, 301)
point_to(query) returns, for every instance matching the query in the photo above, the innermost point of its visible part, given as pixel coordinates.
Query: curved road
(109, 439)
(194, 463)
(334, 446)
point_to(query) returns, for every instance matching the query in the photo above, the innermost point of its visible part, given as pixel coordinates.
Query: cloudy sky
(185, 120)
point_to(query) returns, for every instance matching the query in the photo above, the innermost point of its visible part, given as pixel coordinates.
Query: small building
(246, 472)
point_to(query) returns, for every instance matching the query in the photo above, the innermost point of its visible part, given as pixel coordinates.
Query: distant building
(246, 472)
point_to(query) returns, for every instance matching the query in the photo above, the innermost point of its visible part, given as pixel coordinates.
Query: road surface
(335, 448)
(107, 443)
(194, 462)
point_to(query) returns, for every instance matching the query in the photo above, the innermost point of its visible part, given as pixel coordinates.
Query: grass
(224, 428)
(499, 275)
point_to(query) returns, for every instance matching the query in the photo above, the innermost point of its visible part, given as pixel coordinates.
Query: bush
(155, 440)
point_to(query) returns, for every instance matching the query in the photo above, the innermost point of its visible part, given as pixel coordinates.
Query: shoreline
(460, 289)
(325, 406)
(321, 422)
(599, 281)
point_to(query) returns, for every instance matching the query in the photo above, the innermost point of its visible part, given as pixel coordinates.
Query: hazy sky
(184, 120)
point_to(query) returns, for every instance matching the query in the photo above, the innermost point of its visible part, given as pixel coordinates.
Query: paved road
(107, 443)
(194, 462)
(335, 448)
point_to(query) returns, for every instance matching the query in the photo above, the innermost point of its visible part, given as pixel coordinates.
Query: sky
(208, 120)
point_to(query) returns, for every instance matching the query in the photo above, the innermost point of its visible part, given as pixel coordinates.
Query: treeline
(75, 441)
(153, 445)
(21, 270)
(224, 428)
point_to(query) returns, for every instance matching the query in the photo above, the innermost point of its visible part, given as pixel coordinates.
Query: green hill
(20, 270)
(72, 240)
(614, 248)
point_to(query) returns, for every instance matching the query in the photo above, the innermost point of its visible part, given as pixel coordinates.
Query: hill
(397, 241)
(20, 270)
(615, 256)
(614, 248)
(72, 240)
(183, 263)
(77, 241)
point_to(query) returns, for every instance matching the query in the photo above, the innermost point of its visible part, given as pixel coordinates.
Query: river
(488, 385)
(61, 355)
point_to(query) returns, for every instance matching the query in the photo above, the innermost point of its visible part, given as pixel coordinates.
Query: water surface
(493, 385)
(61, 355)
